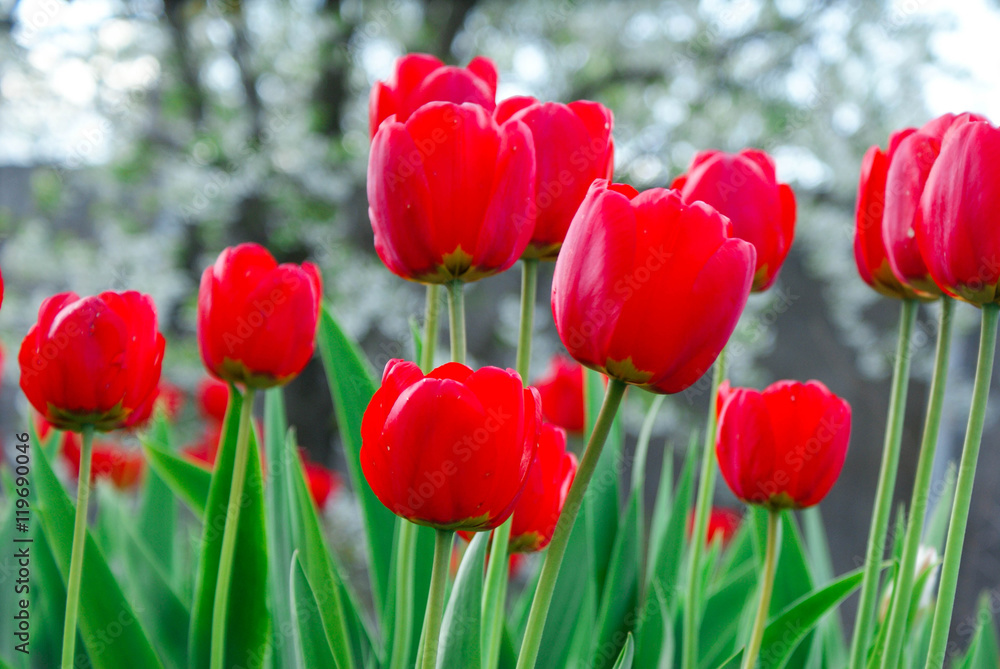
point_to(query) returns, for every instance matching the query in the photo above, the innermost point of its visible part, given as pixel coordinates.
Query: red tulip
(167, 397)
(121, 466)
(257, 319)
(213, 398)
(322, 482)
(92, 361)
(743, 187)
(551, 475)
(957, 229)
(573, 146)
(648, 289)
(722, 524)
(561, 390)
(451, 449)
(783, 447)
(451, 193)
(419, 78)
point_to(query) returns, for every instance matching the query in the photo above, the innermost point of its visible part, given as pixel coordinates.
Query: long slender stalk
(903, 588)
(703, 506)
(402, 630)
(886, 485)
(766, 587)
(456, 319)
(435, 599)
(963, 489)
(76, 554)
(529, 290)
(560, 538)
(227, 554)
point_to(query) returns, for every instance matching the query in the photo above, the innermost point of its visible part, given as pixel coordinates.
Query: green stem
(886, 485)
(560, 538)
(76, 555)
(430, 328)
(529, 289)
(766, 587)
(903, 588)
(703, 507)
(435, 599)
(963, 489)
(403, 627)
(227, 555)
(456, 319)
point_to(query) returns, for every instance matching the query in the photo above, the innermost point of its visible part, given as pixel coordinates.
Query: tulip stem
(456, 319)
(766, 587)
(963, 489)
(886, 485)
(76, 555)
(529, 290)
(903, 588)
(560, 538)
(703, 507)
(435, 599)
(429, 345)
(227, 554)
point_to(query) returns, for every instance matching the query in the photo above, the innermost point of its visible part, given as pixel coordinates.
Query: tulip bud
(561, 390)
(93, 361)
(451, 449)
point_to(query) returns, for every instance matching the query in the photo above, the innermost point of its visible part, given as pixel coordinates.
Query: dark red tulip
(257, 319)
(722, 524)
(419, 78)
(648, 289)
(573, 146)
(561, 390)
(743, 187)
(213, 398)
(113, 462)
(92, 361)
(783, 447)
(957, 227)
(451, 449)
(551, 475)
(451, 193)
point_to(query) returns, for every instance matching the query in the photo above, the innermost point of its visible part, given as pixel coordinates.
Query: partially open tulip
(743, 187)
(451, 193)
(648, 289)
(783, 447)
(257, 319)
(722, 524)
(551, 475)
(419, 78)
(957, 228)
(573, 146)
(92, 361)
(451, 449)
(561, 390)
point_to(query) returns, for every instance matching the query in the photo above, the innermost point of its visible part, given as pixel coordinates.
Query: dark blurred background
(138, 138)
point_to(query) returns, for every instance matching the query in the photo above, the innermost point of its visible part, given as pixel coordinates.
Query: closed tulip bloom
(322, 482)
(451, 193)
(213, 399)
(783, 447)
(561, 390)
(743, 187)
(958, 234)
(451, 449)
(93, 361)
(257, 319)
(573, 146)
(419, 78)
(648, 289)
(722, 524)
(112, 462)
(549, 479)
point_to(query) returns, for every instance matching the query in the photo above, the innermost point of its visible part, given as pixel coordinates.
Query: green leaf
(311, 648)
(247, 620)
(157, 509)
(666, 552)
(103, 605)
(984, 651)
(190, 482)
(352, 384)
(625, 658)
(572, 587)
(831, 629)
(621, 589)
(654, 637)
(459, 644)
(937, 525)
(725, 608)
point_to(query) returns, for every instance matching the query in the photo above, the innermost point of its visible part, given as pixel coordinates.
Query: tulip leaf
(247, 620)
(621, 589)
(311, 648)
(601, 499)
(668, 542)
(984, 651)
(103, 605)
(625, 657)
(190, 482)
(574, 583)
(157, 508)
(352, 384)
(459, 644)
(654, 636)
